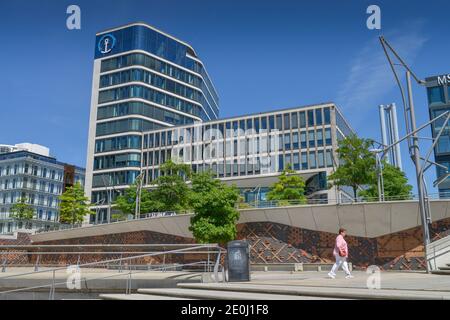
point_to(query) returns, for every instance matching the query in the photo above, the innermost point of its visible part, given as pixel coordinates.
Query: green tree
(290, 186)
(172, 191)
(22, 210)
(215, 215)
(356, 163)
(74, 205)
(395, 183)
(127, 201)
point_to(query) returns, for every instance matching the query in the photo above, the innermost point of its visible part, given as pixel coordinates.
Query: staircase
(438, 256)
(442, 270)
(249, 291)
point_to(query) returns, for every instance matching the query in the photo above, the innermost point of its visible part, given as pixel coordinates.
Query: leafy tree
(22, 210)
(127, 201)
(213, 202)
(172, 191)
(356, 163)
(395, 184)
(74, 205)
(290, 186)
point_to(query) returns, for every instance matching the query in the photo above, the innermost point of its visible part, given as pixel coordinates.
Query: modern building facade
(28, 171)
(152, 100)
(143, 79)
(249, 151)
(438, 91)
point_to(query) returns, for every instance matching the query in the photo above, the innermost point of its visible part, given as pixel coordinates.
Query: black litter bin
(238, 258)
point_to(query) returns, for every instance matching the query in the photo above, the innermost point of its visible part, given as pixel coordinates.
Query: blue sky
(261, 55)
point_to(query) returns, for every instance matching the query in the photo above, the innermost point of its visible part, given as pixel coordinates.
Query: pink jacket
(340, 243)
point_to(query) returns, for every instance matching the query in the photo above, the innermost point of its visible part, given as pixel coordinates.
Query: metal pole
(416, 159)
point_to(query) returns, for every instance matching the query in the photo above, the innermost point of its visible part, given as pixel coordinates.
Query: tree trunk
(354, 193)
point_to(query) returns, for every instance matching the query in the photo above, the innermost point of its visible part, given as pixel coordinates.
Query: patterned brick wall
(274, 243)
(16, 257)
(277, 243)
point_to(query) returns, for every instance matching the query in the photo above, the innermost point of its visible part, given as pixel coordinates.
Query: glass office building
(438, 91)
(249, 151)
(143, 79)
(152, 100)
(28, 171)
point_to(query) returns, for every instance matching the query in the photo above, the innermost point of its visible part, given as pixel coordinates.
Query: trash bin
(238, 261)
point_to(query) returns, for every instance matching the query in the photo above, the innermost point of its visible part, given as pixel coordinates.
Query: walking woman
(340, 252)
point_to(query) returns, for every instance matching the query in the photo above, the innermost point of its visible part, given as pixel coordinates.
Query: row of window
(126, 125)
(118, 143)
(128, 108)
(32, 184)
(139, 59)
(237, 167)
(140, 75)
(32, 199)
(114, 178)
(117, 161)
(151, 95)
(35, 170)
(289, 140)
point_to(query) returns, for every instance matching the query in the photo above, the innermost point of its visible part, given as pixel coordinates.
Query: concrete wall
(368, 220)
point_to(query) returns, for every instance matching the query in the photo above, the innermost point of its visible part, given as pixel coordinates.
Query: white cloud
(370, 77)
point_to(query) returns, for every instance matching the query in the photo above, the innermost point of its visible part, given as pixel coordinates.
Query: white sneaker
(349, 276)
(332, 276)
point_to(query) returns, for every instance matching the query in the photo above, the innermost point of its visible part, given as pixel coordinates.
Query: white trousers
(340, 261)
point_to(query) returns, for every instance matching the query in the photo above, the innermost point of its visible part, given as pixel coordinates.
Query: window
(436, 95)
(295, 140)
(328, 159)
(311, 118)
(319, 138)
(326, 113)
(294, 120)
(328, 136)
(312, 160)
(311, 138)
(302, 119)
(279, 122)
(296, 162)
(318, 117)
(287, 123)
(287, 141)
(321, 159)
(304, 161)
(303, 139)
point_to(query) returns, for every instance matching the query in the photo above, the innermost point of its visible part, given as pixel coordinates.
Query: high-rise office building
(143, 79)
(438, 91)
(28, 171)
(152, 101)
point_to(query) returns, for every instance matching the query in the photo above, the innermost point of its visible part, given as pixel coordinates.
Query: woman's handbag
(342, 252)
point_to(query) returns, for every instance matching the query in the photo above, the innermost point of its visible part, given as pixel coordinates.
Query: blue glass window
(318, 117)
(326, 113)
(436, 95)
(302, 119)
(310, 118)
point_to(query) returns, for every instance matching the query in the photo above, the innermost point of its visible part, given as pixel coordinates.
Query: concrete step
(219, 295)
(137, 296)
(319, 292)
(442, 272)
(444, 268)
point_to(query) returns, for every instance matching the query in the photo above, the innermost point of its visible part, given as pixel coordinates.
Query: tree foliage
(215, 215)
(395, 183)
(356, 163)
(127, 201)
(22, 210)
(172, 192)
(290, 186)
(74, 205)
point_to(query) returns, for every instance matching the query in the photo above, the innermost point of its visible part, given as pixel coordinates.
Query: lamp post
(379, 165)
(413, 140)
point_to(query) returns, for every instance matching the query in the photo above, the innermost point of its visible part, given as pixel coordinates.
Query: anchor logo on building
(106, 43)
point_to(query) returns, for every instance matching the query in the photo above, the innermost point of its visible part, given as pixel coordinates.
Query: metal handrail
(53, 270)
